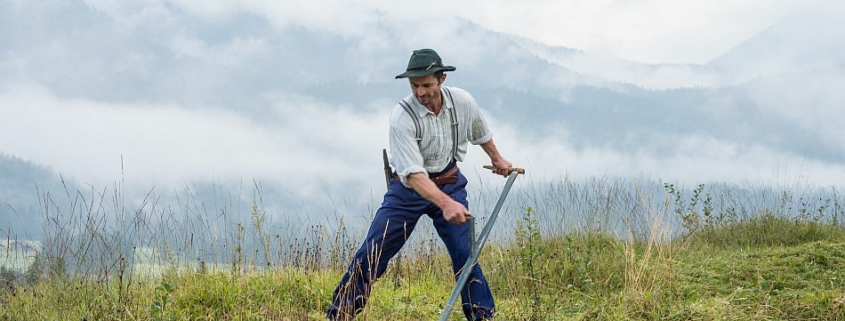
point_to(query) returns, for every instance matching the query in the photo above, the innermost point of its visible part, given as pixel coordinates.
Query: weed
(691, 219)
(531, 248)
(160, 308)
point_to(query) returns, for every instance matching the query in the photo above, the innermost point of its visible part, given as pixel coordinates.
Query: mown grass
(720, 266)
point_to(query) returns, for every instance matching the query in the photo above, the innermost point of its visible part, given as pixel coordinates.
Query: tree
(35, 271)
(58, 268)
(7, 275)
(7, 280)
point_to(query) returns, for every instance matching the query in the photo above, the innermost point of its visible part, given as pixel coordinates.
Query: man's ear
(443, 78)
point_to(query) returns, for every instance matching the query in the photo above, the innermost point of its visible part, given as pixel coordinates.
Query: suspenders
(453, 117)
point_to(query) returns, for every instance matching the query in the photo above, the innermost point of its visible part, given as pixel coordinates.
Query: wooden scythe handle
(514, 169)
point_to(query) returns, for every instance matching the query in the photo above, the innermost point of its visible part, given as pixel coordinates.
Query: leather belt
(448, 177)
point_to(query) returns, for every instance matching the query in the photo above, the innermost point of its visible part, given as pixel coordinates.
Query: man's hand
(502, 167)
(455, 213)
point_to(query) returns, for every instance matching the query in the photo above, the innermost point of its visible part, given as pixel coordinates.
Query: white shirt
(433, 153)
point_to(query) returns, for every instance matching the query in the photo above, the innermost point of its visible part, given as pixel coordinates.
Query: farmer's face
(427, 89)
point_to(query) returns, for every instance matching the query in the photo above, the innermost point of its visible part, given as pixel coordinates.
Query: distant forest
(21, 181)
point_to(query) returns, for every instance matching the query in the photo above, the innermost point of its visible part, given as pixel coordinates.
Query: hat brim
(424, 72)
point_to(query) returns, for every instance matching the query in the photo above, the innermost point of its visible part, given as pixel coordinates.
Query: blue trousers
(392, 225)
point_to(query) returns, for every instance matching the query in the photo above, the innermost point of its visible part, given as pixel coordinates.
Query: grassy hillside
(763, 268)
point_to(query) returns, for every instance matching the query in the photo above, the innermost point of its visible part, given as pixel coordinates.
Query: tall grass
(597, 249)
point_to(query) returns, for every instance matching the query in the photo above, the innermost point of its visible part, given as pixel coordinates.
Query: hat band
(432, 64)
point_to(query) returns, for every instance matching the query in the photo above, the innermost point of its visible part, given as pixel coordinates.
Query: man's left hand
(502, 167)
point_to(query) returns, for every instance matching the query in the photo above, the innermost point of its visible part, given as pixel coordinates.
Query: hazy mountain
(805, 40)
(23, 186)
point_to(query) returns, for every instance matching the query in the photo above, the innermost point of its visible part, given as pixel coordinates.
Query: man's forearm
(426, 188)
(502, 166)
(490, 148)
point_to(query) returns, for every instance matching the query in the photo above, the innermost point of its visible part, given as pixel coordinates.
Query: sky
(650, 31)
(164, 92)
(646, 31)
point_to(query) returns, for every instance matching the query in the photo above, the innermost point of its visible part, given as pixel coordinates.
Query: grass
(764, 265)
(607, 280)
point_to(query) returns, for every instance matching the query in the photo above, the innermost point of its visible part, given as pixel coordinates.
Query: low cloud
(312, 144)
(681, 158)
(811, 100)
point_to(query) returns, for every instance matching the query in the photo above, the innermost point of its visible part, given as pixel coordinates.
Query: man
(429, 132)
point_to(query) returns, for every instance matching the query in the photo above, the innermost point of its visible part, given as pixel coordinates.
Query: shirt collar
(422, 110)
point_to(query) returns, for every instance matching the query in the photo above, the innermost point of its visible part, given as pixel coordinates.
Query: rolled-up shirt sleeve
(478, 132)
(405, 155)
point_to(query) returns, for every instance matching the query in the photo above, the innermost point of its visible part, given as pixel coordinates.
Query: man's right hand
(455, 213)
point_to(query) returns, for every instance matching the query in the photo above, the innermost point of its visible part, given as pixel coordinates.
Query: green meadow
(707, 254)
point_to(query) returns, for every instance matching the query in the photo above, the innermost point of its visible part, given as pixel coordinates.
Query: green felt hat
(424, 62)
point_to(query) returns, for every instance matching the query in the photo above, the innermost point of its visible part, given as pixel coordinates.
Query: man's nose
(419, 91)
